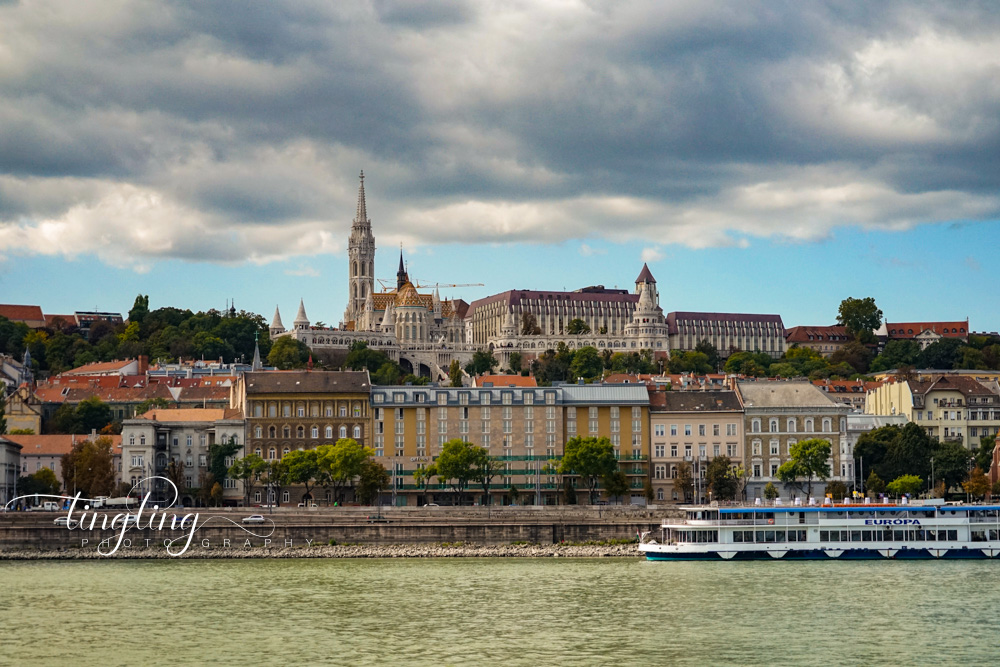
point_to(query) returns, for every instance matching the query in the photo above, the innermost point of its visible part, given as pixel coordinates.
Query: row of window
(958, 415)
(314, 432)
(300, 409)
(659, 430)
(764, 536)
(484, 397)
(888, 535)
(659, 451)
(791, 425)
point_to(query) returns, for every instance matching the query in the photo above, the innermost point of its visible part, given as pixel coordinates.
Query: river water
(499, 612)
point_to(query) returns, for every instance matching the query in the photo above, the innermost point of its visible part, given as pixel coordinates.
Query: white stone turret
(361, 259)
(509, 328)
(389, 320)
(276, 326)
(301, 321)
(437, 304)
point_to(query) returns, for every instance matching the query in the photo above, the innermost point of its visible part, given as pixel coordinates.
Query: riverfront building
(779, 414)
(525, 427)
(949, 407)
(692, 428)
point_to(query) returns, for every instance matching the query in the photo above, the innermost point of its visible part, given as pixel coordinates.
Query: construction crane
(391, 284)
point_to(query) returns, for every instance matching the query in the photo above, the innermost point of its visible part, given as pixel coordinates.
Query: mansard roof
(307, 382)
(587, 295)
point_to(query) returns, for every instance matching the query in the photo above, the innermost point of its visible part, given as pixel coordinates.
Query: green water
(499, 612)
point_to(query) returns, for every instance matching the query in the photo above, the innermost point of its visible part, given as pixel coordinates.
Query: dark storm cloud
(689, 122)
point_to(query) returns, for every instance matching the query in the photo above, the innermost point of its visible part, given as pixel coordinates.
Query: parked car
(66, 521)
(431, 505)
(49, 506)
(254, 518)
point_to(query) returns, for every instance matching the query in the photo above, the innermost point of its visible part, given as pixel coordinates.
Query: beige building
(824, 339)
(525, 427)
(152, 440)
(950, 408)
(777, 415)
(692, 427)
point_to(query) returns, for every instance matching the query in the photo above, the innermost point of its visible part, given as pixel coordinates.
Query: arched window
(357, 409)
(131, 440)
(773, 426)
(257, 451)
(314, 432)
(284, 452)
(755, 426)
(286, 431)
(343, 431)
(329, 432)
(809, 425)
(659, 494)
(300, 432)
(791, 425)
(357, 432)
(673, 472)
(271, 432)
(272, 453)
(258, 431)
(343, 410)
(827, 425)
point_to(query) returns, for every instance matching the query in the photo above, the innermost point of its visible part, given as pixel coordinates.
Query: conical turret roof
(645, 276)
(276, 321)
(361, 217)
(300, 317)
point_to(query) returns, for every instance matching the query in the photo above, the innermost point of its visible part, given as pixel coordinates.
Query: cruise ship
(924, 529)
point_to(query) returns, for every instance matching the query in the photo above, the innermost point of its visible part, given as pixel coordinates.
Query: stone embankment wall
(348, 525)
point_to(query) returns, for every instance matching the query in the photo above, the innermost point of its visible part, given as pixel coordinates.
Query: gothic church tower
(361, 260)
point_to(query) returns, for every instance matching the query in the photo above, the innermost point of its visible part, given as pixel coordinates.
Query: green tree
(388, 373)
(151, 403)
(340, 464)
(485, 468)
(874, 484)
(515, 362)
(286, 353)
(710, 352)
(720, 478)
(361, 357)
(753, 364)
(586, 363)
(968, 357)
(905, 484)
(615, 485)
(372, 481)
(93, 414)
(247, 470)
(274, 479)
(978, 484)
(456, 465)
(483, 361)
(303, 468)
(529, 325)
(218, 453)
(684, 481)
(569, 492)
(139, 310)
(455, 373)
(951, 463)
(895, 354)
(941, 355)
(771, 491)
(856, 354)
(45, 481)
(577, 327)
(861, 317)
(689, 362)
(836, 489)
(590, 458)
(984, 454)
(809, 459)
(89, 468)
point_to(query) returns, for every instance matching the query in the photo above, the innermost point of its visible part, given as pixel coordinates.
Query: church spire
(361, 218)
(256, 365)
(401, 277)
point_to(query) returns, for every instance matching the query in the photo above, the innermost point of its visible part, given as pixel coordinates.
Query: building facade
(152, 440)
(777, 415)
(290, 410)
(728, 332)
(692, 427)
(525, 427)
(532, 321)
(825, 340)
(950, 408)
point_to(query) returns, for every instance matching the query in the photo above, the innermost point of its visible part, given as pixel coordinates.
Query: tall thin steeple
(361, 259)
(256, 365)
(401, 277)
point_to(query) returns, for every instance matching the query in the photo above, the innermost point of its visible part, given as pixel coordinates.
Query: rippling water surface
(504, 612)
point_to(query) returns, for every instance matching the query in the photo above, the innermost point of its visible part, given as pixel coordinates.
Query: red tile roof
(52, 321)
(22, 313)
(55, 445)
(100, 367)
(911, 329)
(807, 334)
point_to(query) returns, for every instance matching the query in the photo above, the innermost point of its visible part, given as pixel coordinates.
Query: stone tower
(361, 259)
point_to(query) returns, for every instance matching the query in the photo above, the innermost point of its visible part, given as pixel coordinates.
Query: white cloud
(588, 251)
(304, 270)
(651, 254)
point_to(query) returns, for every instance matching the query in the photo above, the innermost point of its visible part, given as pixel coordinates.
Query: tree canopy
(809, 460)
(861, 317)
(591, 458)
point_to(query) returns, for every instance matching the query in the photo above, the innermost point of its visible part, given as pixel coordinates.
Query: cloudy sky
(761, 156)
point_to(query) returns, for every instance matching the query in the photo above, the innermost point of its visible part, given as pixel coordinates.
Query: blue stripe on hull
(820, 554)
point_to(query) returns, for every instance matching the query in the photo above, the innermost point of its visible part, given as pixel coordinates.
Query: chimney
(143, 364)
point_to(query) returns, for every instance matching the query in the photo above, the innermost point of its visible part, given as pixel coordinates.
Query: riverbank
(628, 550)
